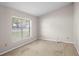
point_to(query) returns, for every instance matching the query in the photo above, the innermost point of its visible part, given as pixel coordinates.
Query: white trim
(17, 46)
(55, 40)
(77, 48)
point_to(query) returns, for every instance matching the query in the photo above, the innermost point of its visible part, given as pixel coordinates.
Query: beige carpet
(44, 48)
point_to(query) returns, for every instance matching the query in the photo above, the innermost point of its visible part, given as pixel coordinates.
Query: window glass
(20, 28)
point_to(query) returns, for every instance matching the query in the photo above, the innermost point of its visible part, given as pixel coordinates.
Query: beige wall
(57, 25)
(5, 27)
(76, 26)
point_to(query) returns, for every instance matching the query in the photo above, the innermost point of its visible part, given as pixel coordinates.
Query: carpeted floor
(44, 48)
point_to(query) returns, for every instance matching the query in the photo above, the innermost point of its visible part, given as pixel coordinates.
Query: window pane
(16, 29)
(20, 29)
(26, 28)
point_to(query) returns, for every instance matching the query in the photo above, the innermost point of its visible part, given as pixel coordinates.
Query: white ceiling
(35, 8)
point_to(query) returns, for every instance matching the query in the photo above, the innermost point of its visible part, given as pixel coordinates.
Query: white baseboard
(8, 50)
(51, 39)
(77, 48)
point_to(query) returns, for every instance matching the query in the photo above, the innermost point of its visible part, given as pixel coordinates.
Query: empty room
(39, 28)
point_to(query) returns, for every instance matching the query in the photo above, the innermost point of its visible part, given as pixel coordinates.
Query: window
(20, 28)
